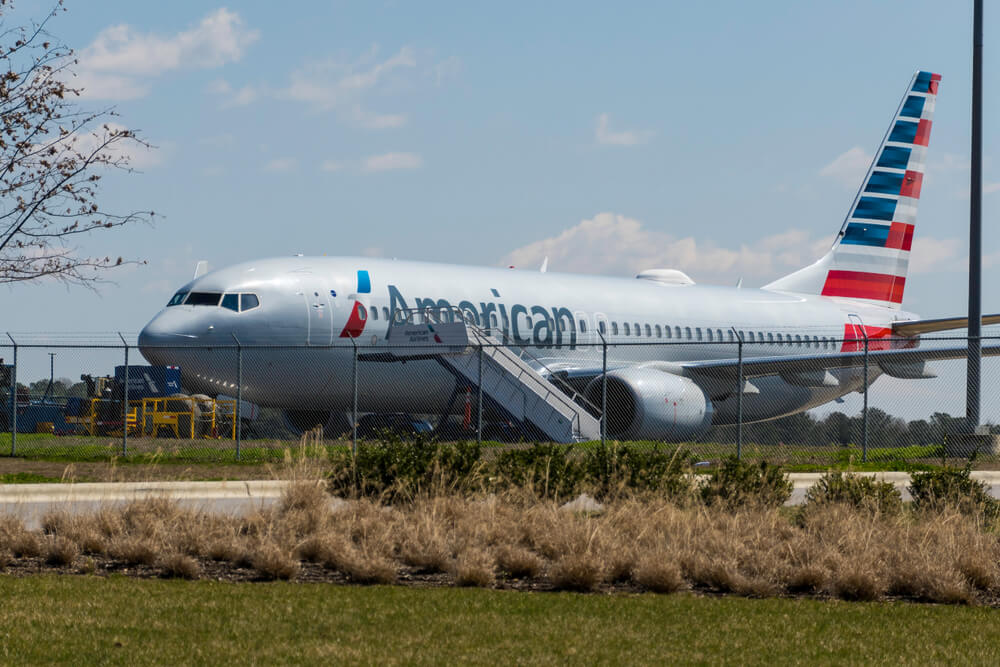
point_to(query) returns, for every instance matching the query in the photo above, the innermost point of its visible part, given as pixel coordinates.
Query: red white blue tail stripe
(870, 257)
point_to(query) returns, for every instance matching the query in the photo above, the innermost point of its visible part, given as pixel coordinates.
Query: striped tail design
(868, 261)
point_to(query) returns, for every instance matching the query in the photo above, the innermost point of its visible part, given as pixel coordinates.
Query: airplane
(806, 336)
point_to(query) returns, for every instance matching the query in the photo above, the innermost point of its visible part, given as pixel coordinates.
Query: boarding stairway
(513, 381)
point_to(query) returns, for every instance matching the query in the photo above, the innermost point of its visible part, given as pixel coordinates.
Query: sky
(724, 139)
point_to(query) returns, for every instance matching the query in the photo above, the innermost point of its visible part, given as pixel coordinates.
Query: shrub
(949, 487)
(517, 562)
(546, 470)
(656, 573)
(615, 466)
(475, 567)
(576, 572)
(273, 562)
(737, 483)
(860, 491)
(61, 551)
(180, 565)
(394, 468)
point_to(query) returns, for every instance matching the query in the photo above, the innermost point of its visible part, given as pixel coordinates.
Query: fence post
(479, 398)
(739, 395)
(864, 409)
(125, 400)
(354, 406)
(604, 389)
(238, 414)
(13, 400)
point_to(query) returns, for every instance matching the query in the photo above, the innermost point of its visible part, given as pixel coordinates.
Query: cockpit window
(178, 299)
(248, 301)
(203, 299)
(231, 301)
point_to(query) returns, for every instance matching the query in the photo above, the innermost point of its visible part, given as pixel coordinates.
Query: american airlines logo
(534, 325)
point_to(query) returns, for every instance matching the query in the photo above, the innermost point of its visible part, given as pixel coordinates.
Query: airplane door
(320, 317)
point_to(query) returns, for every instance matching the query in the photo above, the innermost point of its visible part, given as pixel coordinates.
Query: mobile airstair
(511, 379)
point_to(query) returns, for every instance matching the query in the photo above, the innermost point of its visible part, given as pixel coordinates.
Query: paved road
(32, 501)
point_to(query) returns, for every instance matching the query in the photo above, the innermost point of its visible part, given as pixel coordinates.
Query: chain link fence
(723, 394)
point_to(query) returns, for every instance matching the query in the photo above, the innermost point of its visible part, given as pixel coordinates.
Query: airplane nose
(170, 328)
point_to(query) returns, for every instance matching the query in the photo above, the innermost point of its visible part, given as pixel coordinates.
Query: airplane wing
(905, 363)
(917, 327)
(901, 363)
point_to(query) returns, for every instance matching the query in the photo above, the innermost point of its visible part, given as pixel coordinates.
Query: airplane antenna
(739, 283)
(545, 264)
(200, 269)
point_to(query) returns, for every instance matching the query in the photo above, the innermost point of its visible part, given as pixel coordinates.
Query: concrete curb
(260, 489)
(116, 491)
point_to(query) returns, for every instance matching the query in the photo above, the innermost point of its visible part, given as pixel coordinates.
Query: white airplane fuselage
(297, 354)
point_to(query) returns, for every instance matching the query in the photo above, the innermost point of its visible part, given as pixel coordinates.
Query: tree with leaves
(53, 154)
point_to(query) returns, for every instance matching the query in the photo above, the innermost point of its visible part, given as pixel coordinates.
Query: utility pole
(972, 377)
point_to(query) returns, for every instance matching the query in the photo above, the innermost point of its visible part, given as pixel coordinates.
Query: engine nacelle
(334, 424)
(650, 403)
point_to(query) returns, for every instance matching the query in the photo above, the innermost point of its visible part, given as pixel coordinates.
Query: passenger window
(677, 332)
(602, 327)
(385, 312)
(248, 301)
(697, 332)
(203, 298)
(687, 332)
(232, 302)
(770, 338)
(659, 331)
(780, 340)
(668, 331)
(583, 326)
(710, 335)
(614, 328)
(178, 299)
(628, 331)
(638, 332)
(649, 331)
(798, 339)
(375, 314)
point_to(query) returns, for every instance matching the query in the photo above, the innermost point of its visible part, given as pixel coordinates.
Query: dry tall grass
(639, 543)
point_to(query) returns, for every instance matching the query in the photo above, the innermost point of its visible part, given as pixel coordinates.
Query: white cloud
(280, 164)
(331, 165)
(388, 161)
(328, 84)
(377, 121)
(614, 244)
(611, 243)
(930, 254)
(606, 137)
(848, 168)
(120, 62)
(234, 98)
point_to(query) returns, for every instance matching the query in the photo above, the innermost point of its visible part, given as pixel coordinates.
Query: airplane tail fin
(869, 258)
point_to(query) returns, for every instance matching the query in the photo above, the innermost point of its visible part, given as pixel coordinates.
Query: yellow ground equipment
(179, 416)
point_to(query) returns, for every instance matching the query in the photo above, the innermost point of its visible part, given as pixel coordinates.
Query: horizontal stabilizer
(917, 327)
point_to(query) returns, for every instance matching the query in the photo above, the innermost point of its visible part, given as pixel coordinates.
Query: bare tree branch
(52, 157)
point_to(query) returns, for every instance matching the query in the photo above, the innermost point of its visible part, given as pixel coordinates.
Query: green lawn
(88, 620)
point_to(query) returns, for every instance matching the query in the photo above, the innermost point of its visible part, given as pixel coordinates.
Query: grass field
(90, 620)
(147, 450)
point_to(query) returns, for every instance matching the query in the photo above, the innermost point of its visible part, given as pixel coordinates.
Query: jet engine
(299, 421)
(653, 404)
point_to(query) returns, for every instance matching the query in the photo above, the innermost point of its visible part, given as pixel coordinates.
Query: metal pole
(739, 395)
(239, 396)
(864, 409)
(125, 401)
(604, 388)
(972, 375)
(354, 407)
(13, 401)
(479, 398)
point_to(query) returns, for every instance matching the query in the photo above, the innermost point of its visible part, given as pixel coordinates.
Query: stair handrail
(442, 314)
